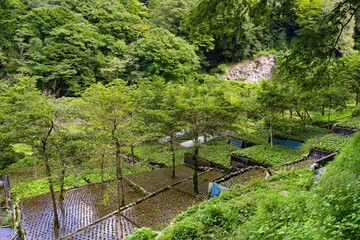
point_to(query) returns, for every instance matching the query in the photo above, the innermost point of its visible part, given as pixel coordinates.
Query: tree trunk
(329, 114)
(119, 176)
(357, 98)
(62, 178)
(291, 127)
(35, 167)
(196, 167)
(132, 154)
(323, 110)
(172, 154)
(230, 144)
(119, 182)
(271, 134)
(302, 117)
(56, 225)
(102, 166)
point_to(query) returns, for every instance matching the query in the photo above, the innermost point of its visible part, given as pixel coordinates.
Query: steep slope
(251, 70)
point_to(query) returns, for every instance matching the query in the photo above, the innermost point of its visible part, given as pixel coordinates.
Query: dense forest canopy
(67, 46)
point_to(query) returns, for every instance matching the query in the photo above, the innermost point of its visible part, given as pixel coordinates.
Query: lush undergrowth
(41, 186)
(217, 151)
(302, 134)
(332, 142)
(271, 156)
(353, 123)
(257, 136)
(299, 134)
(288, 205)
(156, 153)
(336, 115)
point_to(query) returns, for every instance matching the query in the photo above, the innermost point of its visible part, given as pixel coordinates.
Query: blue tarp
(240, 159)
(217, 189)
(288, 142)
(237, 142)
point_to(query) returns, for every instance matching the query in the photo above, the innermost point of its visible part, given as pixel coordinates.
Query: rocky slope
(251, 70)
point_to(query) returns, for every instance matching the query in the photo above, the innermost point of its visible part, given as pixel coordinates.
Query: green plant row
(156, 153)
(217, 151)
(301, 134)
(333, 142)
(298, 134)
(353, 123)
(267, 155)
(40, 186)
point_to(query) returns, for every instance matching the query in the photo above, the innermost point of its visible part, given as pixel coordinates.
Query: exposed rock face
(251, 71)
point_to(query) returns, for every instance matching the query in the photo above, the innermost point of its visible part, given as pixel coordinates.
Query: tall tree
(270, 102)
(110, 108)
(26, 125)
(161, 112)
(202, 108)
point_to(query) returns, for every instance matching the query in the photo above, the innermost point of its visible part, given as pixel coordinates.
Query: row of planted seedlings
(81, 206)
(85, 205)
(163, 202)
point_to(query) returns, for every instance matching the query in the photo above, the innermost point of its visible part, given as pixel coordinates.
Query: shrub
(185, 230)
(356, 112)
(353, 123)
(142, 234)
(25, 161)
(221, 68)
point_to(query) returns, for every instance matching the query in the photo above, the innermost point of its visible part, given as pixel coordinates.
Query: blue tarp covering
(288, 142)
(217, 189)
(237, 142)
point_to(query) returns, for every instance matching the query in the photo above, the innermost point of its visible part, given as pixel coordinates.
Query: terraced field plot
(243, 178)
(81, 207)
(204, 180)
(160, 178)
(306, 164)
(106, 229)
(157, 211)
